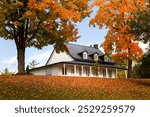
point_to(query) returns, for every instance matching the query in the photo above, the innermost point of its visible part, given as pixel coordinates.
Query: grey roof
(76, 50)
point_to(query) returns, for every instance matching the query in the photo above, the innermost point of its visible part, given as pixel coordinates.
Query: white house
(79, 61)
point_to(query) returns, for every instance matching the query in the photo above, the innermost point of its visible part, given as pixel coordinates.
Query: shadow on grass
(143, 82)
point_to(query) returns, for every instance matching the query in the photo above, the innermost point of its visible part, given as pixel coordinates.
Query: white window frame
(106, 58)
(95, 57)
(85, 56)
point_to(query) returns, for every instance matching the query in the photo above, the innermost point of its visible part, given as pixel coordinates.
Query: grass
(72, 88)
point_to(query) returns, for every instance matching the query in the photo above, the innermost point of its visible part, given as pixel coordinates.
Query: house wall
(38, 72)
(114, 74)
(59, 57)
(101, 72)
(56, 70)
(53, 70)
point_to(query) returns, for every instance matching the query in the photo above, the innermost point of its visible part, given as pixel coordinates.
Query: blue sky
(8, 53)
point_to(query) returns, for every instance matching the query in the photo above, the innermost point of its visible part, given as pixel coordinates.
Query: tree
(96, 68)
(141, 26)
(33, 63)
(27, 69)
(6, 72)
(119, 39)
(136, 73)
(144, 68)
(37, 23)
(122, 63)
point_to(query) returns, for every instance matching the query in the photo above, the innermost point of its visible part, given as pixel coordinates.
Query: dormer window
(96, 57)
(85, 55)
(106, 58)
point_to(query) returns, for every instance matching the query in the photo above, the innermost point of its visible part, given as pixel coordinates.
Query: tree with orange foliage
(37, 23)
(115, 15)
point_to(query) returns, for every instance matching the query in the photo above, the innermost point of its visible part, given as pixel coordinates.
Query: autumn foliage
(116, 15)
(53, 87)
(38, 23)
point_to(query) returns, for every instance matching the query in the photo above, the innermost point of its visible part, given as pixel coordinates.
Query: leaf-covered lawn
(50, 87)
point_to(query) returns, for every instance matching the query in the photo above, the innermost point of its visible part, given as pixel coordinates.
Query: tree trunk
(129, 75)
(21, 60)
(20, 43)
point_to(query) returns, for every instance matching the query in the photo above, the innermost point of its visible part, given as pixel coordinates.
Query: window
(95, 57)
(72, 71)
(87, 72)
(80, 71)
(64, 72)
(110, 73)
(104, 73)
(84, 55)
(105, 58)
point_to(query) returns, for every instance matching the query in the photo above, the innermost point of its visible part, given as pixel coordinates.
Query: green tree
(141, 25)
(33, 63)
(144, 68)
(6, 72)
(96, 69)
(37, 23)
(136, 69)
(122, 63)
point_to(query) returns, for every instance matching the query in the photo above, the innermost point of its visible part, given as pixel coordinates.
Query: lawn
(72, 88)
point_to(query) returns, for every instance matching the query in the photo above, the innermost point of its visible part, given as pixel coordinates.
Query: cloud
(143, 46)
(11, 61)
(40, 58)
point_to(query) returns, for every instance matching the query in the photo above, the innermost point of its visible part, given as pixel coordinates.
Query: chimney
(95, 46)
